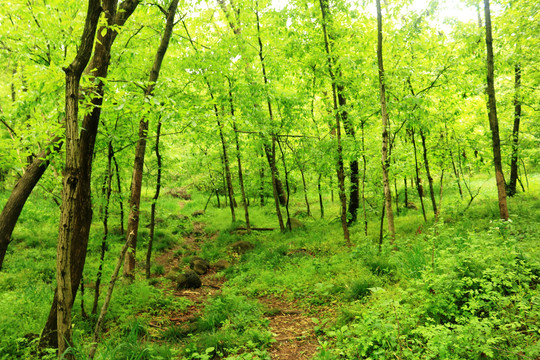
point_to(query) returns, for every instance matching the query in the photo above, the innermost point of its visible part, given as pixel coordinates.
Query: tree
(71, 178)
(385, 135)
(493, 121)
(136, 182)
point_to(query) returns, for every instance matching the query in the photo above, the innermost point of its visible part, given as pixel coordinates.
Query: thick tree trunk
(493, 121)
(340, 168)
(136, 183)
(22, 190)
(385, 125)
(511, 188)
(428, 173)
(72, 173)
(99, 63)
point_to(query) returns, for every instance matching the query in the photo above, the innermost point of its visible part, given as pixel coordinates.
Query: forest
(269, 179)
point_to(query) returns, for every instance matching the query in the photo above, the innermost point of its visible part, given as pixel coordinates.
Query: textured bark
(136, 182)
(340, 168)
(511, 188)
(83, 219)
(493, 121)
(72, 173)
(385, 120)
(22, 190)
(354, 193)
(107, 190)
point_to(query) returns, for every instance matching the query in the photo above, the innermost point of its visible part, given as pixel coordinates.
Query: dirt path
(292, 328)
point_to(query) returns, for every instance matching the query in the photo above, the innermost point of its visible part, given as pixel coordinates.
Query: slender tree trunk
(271, 153)
(107, 189)
(72, 173)
(493, 121)
(321, 205)
(456, 173)
(428, 173)
(136, 183)
(385, 125)
(154, 202)
(81, 225)
(511, 188)
(239, 160)
(340, 168)
(418, 184)
(406, 200)
(354, 194)
(289, 225)
(105, 305)
(364, 170)
(22, 190)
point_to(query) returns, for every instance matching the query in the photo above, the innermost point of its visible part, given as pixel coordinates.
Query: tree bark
(279, 195)
(154, 203)
(340, 168)
(511, 188)
(81, 226)
(385, 121)
(136, 182)
(239, 160)
(22, 190)
(72, 174)
(493, 121)
(107, 190)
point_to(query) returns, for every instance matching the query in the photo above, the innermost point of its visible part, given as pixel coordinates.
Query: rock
(197, 213)
(180, 193)
(199, 265)
(295, 224)
(188, 280)
(411, 205)
(241, 247)
(221, 264)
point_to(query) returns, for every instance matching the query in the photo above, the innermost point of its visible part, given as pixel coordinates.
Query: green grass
(466, 287)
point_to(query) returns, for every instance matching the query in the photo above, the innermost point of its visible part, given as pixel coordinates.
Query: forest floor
(292, 326)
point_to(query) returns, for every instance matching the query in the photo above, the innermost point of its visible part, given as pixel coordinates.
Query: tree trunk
(385, 125)
(22, 190)
(154, 202)
(107, 190)
(239, 160)
(72, 172)
(136, 183)
(321, 206)
(83, 219)
(417, 179)
(289, 225)
(279, 195)
(511, 188)
(493, 121)
(364, 170)
(340, 168)
(428, 173)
